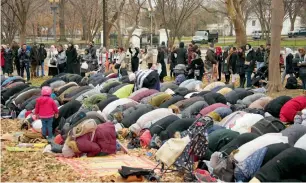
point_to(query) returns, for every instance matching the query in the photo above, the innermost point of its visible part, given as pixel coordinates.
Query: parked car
(204, 36)
(257, 34)
(300, 32)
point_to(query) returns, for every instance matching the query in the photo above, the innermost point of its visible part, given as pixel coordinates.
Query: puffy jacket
(125, 91)
(194, 109)
(213, 85)
(171, 101)
(131, 115)
(45, 107)
(251, 98)
(260, 103)
(104, 140)
(159, 99)
(137, 92)
(289, 110)
(183, 104)
(166, 86)
(107, 101)
(148, 118)
(244, 124)
(211, 108)
(112, 106)
(162, 124)
(275, 105)
(230, 120)
(294, 132)
(107, 87)
(143, 94)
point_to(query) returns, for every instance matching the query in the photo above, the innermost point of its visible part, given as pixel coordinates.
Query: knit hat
(179, 79)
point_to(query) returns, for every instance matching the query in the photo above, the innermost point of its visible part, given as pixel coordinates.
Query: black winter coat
(250, 61)
(289, 64)
(240, 64)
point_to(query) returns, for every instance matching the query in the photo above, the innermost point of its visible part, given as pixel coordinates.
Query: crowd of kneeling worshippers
(210, 133)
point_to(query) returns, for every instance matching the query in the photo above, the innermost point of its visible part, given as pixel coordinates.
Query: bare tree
(23, 9)
(234, 10)
(293, 8)
(9, 27)
(62, 21)
(276, 29)
(174, 14)
(91, 17)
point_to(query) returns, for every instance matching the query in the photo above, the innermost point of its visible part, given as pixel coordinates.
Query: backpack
(291, 83)
(268, 125)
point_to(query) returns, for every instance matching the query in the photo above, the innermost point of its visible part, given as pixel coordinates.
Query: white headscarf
(288, 51)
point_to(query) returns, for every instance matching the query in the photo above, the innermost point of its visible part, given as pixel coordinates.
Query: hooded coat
(250, 59)
(104, 140)
(194, 109)
(289, 61)
(73, 65)
(171, 101)
(289, 110)
(182, 54)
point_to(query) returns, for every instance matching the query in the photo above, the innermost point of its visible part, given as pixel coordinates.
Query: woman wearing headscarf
(61, 60)
(219, 58)
(103, 60)
(250, 59)
(173, 61)
(288, 64)
(162, 64)
(52, 64)
(210, 64)
(73, 66)
(134, 51)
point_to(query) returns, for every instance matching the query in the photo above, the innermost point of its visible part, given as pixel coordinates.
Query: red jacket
(104, 140)
(289, 110)
(2, 58)
(45, 107)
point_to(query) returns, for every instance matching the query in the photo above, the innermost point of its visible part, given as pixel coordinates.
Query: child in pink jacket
(46, 109)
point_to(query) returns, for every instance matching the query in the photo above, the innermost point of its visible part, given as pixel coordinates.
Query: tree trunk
(62, 21)
(234, 11)
(231, 28)
(292, 21)
(22, 34)
(274, 84)
(84, 32)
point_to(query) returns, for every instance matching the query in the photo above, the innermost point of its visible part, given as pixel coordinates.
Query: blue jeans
(25, 66)
(248, 79)
(47, 127)
(260, 64)
(42, 69)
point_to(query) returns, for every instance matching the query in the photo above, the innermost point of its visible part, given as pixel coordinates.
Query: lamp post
(151, 15)
(54, 6)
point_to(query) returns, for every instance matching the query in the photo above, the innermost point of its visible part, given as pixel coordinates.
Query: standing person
(232, 63)
(210, 63)
(250, 59)
(61, 59)
(288, 64)
(149, 58)
(92, 50)
(52, 61)
(120, 63)
(8, 56)
(197, 64)
(182, 55)
(103, 60)
(46, 109)
(2, 59)
(226, 64)
(165, 50)
(267, 54)
(219, 58)
(42, 56)
(260, 54)
(302, 73)
(173, 61)
(65, 47)
(161, 64)
(134, 57)
(35, 59)
(189, 53)
(24, 56)
(240, 66)
(72, 60)
(302, 53)
(15, 49)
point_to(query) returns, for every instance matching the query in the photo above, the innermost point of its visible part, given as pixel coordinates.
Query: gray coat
(132, 114)
(193, 110)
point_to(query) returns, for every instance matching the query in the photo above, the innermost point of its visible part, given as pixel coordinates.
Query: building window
(253, 23)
